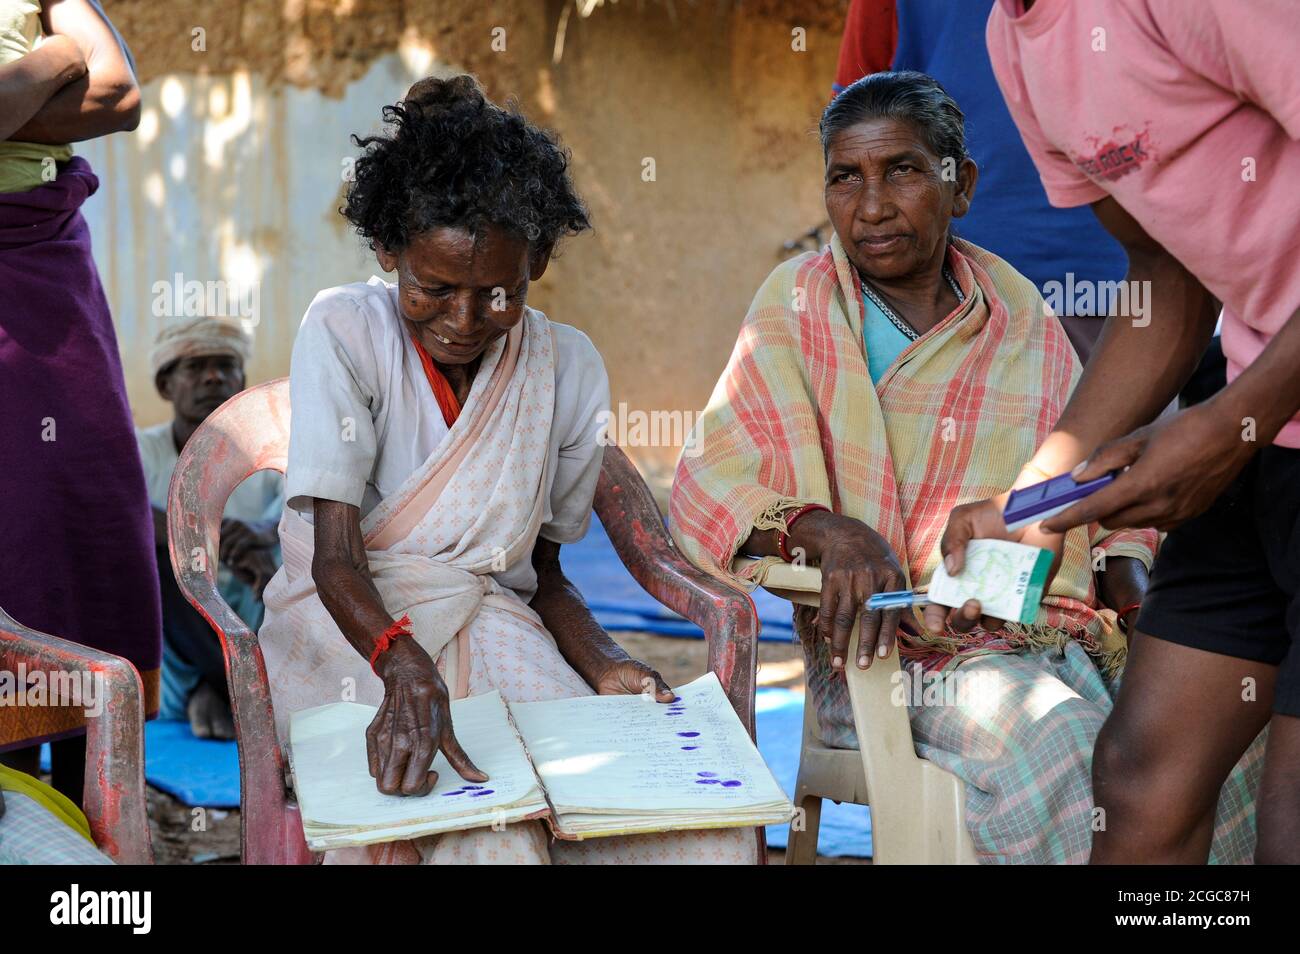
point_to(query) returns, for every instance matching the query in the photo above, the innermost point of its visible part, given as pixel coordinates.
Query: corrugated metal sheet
(230, 181)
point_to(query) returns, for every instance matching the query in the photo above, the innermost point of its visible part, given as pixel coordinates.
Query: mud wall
(236, 172)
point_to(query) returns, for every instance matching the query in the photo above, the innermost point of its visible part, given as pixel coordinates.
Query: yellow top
(24, 165)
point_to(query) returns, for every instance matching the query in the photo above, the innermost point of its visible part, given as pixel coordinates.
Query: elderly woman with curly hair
(445, 442)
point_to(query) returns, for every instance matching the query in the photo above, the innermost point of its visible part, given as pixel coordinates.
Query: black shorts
(1228, 581)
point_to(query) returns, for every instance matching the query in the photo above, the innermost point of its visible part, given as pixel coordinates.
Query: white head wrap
(198, 338)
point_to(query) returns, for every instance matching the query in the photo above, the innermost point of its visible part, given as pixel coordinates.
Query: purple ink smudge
(707, 774)
(688, 735)
(488, 791)
(689, 748)
(732, 783)
(706, 781)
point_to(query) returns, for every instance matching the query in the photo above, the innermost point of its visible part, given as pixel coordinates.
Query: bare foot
(209, 714)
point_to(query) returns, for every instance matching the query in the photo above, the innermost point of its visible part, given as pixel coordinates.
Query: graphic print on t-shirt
(1117, 156)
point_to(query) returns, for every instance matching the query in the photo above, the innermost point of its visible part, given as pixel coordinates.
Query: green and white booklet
(590, 767)
(1007, 578)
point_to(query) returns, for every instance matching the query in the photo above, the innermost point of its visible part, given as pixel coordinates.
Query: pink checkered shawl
(795, 419)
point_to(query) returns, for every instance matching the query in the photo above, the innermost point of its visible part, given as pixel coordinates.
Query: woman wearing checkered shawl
(876, 384)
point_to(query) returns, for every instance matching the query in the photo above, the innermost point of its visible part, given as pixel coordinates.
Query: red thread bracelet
(400, 628)
(783, 536)
(1119, 617)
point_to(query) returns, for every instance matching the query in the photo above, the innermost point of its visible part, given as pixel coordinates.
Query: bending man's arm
(1176, 468)
(1136, 369)
(105, 99)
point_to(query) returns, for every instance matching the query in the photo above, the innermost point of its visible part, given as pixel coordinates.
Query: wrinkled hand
(629, 677)
(413, 723)
(1176, 468)
(238, 539)
(982, 520)
(255, 569)
(856, 562)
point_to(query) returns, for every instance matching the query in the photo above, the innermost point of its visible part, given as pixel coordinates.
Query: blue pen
(896, 599)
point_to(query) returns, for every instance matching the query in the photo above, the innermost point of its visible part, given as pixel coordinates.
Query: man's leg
(187, 633)
(1182, 719)
(190, 647)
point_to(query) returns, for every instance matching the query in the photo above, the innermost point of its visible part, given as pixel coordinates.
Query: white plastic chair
(918, 812)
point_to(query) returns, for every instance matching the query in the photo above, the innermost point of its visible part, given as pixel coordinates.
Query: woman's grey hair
(905, 95)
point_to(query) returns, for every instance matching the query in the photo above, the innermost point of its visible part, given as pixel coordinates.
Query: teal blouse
(883, 341)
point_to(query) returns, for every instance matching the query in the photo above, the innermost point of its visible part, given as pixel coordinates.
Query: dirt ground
(183, 835)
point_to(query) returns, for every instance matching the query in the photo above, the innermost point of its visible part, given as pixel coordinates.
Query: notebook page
(334, 787)
(622, 754)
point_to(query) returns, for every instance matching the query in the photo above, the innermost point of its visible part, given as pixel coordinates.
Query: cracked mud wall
(236, 171)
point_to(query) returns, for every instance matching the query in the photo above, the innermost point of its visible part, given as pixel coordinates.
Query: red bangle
(401, 628)
(1119, 617)
(783, 536)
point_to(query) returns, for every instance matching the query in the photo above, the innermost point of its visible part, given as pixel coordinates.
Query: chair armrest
(798, 584)
(726, 613)
(114, 800)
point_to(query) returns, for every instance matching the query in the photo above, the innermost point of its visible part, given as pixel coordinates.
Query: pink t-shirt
(1188, 113)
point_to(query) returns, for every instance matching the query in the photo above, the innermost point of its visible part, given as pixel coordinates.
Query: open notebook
(592, 766)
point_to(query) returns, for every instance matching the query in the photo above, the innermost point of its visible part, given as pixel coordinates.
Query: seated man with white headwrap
(198, 364)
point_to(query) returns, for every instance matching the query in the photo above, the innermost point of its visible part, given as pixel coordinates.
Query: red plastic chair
(114, 799)
(250, 432)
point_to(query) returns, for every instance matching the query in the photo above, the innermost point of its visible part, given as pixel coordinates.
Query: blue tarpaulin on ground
(194, 771)
(619, 603)
(845, 830)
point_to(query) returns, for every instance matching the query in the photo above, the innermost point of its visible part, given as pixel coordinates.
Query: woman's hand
(246, 550)
(856, 562)
(413, 723)
(594, 655)
(238, 538)
(629, 677)
(255, 569)
(982, 520)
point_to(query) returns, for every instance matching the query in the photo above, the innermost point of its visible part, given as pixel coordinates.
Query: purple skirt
(76, 533)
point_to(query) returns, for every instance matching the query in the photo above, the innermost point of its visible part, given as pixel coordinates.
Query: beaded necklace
(894, 317)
